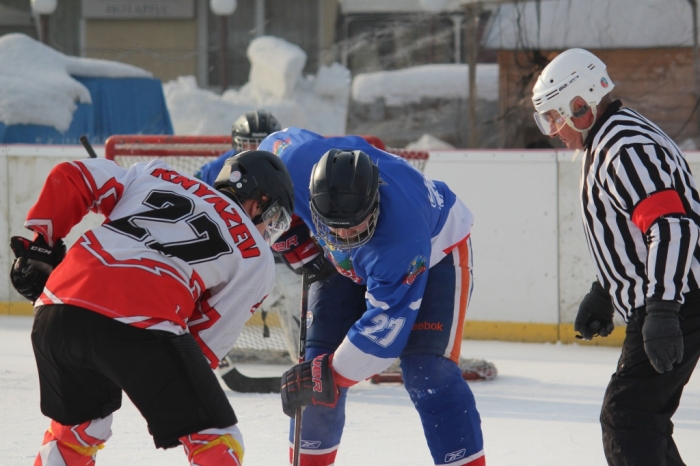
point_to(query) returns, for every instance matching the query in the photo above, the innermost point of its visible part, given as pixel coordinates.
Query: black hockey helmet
(344, 195)
(262, 176)
(250, 129)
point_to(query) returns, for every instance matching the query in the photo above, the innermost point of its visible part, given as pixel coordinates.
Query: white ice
(541, 410)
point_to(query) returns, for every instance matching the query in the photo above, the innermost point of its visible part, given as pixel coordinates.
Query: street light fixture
(223, 9)
(43, 9)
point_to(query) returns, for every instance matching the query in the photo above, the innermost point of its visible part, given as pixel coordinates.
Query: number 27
(383, 322)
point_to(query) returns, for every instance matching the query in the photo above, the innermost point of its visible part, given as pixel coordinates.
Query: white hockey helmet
(573, 73)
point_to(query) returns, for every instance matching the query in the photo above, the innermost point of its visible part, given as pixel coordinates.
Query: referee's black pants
(639, 402)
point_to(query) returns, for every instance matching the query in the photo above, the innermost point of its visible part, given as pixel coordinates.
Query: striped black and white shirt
(641, 211)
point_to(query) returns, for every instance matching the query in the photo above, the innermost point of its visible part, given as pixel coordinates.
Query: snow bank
(318, 103)
(410, 85)
(275, 65)
(36, 86)
(429, 142)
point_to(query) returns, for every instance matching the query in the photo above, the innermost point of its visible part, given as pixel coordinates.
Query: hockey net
(272, 333)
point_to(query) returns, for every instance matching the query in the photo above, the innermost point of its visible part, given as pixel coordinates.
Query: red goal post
(189, 153)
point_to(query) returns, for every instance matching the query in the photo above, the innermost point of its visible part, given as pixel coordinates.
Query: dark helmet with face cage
(263, 177)
(345, 194)
(250, 129)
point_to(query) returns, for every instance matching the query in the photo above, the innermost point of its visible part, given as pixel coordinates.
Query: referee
(641, 213)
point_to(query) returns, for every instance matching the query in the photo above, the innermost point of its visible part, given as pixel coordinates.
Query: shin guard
(74, 445)
(210, 447)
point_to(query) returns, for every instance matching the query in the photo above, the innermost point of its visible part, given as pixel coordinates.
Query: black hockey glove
(310, 382)
(663, 339)
(34, 262)
(300, 252)
(595, 314)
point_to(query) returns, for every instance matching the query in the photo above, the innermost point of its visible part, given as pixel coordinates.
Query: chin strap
(584, 132)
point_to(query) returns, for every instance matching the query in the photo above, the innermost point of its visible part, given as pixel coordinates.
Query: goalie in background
(148, 302)
(401, 244)
(247, 133)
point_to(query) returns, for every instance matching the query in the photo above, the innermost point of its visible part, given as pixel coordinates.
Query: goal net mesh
(270, 335)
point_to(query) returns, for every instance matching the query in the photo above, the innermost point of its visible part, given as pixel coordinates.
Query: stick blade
(472, 370)
(243, 384)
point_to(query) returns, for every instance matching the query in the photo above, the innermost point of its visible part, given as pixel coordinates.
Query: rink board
(531, 262)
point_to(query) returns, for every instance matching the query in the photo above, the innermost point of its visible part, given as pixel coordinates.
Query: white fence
(531, 263)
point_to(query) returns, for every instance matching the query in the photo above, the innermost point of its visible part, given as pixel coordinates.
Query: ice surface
(541, 410)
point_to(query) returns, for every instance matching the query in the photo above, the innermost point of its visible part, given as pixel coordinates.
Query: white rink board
(23, 170)
(514, 239)
(530, 257)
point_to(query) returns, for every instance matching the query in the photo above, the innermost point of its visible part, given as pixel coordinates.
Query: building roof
(397, 6)
(592, 24)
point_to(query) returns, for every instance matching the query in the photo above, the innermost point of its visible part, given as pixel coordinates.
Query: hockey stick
(88, 147)
(302, 354)
(243, 384)
(472, 369)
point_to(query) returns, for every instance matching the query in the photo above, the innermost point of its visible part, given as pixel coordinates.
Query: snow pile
(411, 85)
(36, 86)
(429, 142)
(318, 103)
(275, 65)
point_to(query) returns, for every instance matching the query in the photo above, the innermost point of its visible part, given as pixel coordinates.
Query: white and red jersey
(174, 254)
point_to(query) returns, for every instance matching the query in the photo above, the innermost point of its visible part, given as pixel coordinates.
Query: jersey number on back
(206, 244)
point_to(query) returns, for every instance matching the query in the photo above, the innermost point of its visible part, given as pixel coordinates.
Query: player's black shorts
(85, 360)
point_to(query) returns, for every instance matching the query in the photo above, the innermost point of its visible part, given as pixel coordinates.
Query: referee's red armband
(657, 204)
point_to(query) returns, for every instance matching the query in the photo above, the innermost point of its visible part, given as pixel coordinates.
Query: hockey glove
(309, 382)
(595, 314)
(34, 262)
(663, 339)
(300, 252)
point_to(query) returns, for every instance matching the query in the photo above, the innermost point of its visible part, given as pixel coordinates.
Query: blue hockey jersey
(420, 221)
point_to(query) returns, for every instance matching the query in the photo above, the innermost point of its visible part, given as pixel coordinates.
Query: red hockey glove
(310, 382)
(300, 252)
(34, 262)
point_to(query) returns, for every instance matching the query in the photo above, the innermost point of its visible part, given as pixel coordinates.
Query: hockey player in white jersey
(148, 302)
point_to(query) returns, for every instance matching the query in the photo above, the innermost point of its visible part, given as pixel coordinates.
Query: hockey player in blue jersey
(247, 133)
(401, 244)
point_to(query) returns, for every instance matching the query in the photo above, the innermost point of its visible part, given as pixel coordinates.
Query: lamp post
(42, 9)
(223, 9)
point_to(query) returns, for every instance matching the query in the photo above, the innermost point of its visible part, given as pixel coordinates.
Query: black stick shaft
(302, 355)
(88, 147)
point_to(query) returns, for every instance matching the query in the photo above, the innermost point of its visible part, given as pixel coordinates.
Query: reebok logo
(425, 325)
(310, 443)
(455, 455)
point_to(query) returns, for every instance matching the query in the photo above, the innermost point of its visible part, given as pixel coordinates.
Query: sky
(541, 410)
